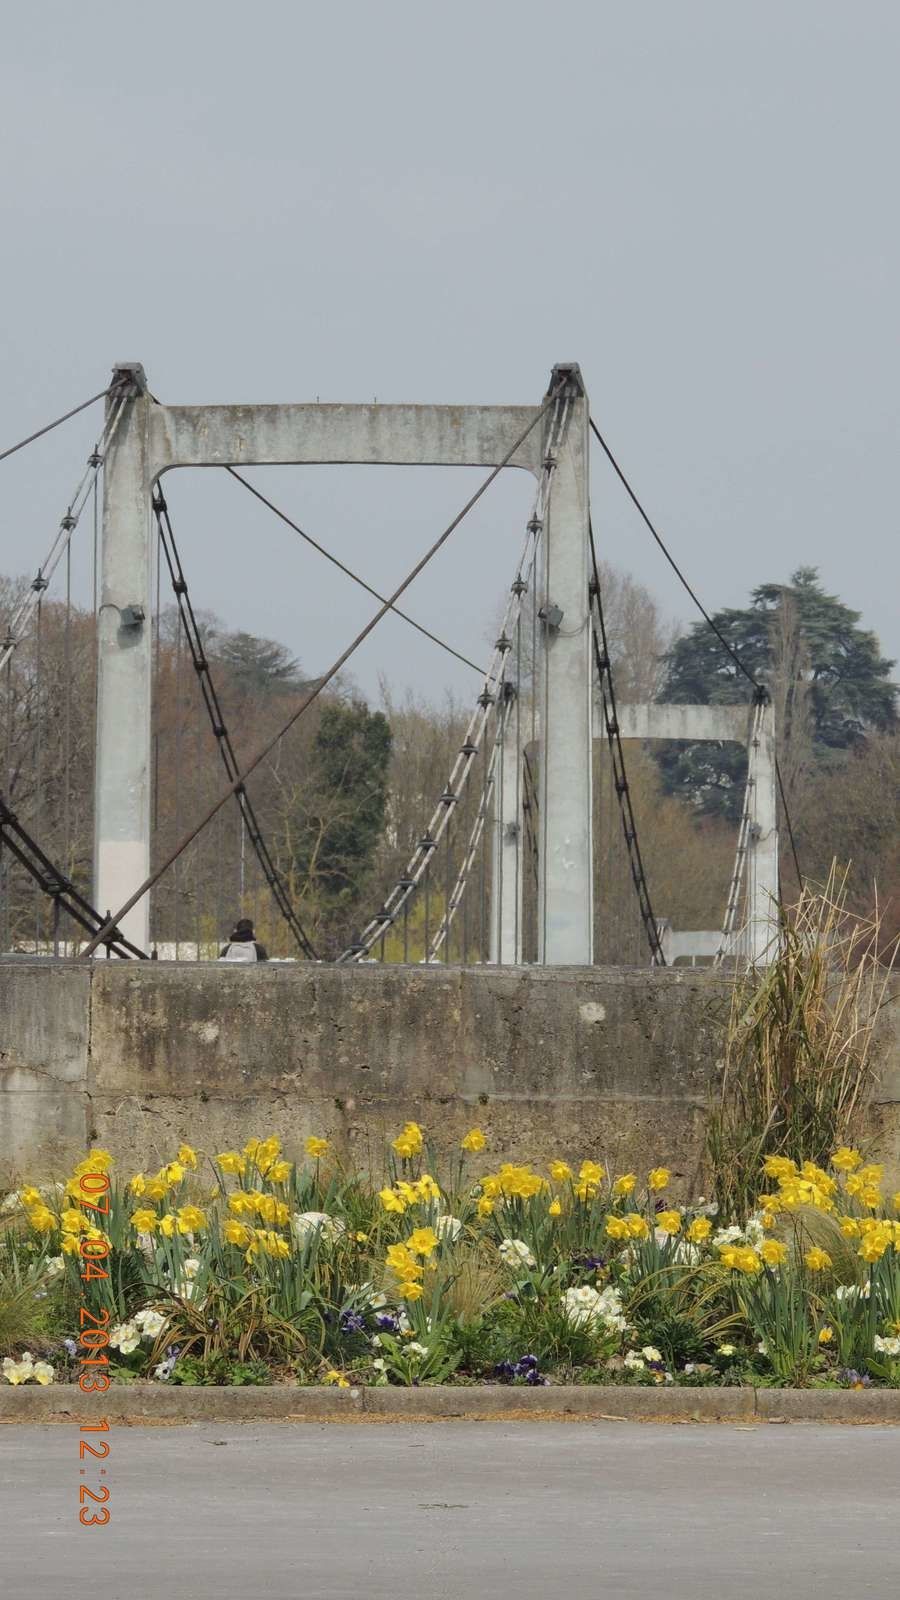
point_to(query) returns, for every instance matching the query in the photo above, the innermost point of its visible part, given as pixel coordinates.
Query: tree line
(345, 797)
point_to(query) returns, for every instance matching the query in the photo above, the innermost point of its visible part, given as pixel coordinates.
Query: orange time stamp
(93, 1338)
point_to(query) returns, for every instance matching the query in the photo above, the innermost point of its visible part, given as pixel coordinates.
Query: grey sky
(696, 200)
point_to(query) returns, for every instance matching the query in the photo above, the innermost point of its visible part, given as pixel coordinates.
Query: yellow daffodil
(236, 1232)
(560, 1171)
(592, 1172)
(850, 1227)
(473, 1141)
(409, 1141)
(337, 1379)
(232, 1161)
(658, 1178)
(700, 1229)
(96, 1160)
(144, 1220)
(638, 1226)
(187, 1156)
(740, 1258)
(485, 1206)
(265, 1242)
(267, 1154)
(168, 1224)
(669, 1221)
(773, 1252)
(826, 1335)
(422, 1242)
(70, 1244)
(155, 1188)
(625, 1184)
(554, 1209)
(191, 1219)
(817, 1260)
(846, 1160)
(817, 1175)
(866, 1180)
(617, 1228)
(72, 1221)
(316, 1147)
(42, 1219)
(410, 1291)
(279, 1172)
(137, 1184)
(31, 1196)
(779, 1167)
(391, 1201)
(401, 1261)
(875, 1240)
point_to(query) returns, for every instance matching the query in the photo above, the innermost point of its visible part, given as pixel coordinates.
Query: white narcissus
(125, 1337)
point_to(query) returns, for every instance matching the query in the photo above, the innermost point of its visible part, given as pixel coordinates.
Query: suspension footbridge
(503, 870)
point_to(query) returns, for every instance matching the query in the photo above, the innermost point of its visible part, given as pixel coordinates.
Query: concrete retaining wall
(604, 1062)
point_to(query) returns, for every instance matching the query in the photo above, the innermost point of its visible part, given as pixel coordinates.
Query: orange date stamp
(93, 1337)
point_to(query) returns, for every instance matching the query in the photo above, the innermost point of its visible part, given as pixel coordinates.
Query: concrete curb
(145, 1403)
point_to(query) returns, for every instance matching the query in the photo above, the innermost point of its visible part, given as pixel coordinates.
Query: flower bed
(246, 1268)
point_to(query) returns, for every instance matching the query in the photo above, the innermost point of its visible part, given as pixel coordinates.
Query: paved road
(454, 1511)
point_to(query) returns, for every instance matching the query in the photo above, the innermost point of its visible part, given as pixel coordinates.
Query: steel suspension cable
(620, 776)
(710, 621)
(53, 882)
(418, 867)
(734, 888)
(348, 571)
(38, 767)
(456, 894)
(69, 522)
(330, 674)
(48, 427)
(220, 731)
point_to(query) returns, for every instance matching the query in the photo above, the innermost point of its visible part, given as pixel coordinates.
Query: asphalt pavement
(454, 1510)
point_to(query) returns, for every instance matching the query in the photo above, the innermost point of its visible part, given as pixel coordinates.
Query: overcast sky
(694, 199)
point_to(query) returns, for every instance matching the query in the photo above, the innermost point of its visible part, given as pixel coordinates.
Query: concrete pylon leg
(762, 853)
(122, 775)
(565, 910)
(507, 885)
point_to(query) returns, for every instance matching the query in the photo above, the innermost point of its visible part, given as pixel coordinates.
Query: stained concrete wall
(610, 1063)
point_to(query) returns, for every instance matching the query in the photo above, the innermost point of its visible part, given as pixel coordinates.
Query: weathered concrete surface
(44, 1041)
(161, 1403)
(566, 1061)
(225, 1512)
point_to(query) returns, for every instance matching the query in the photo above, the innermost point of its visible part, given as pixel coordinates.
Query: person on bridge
(243, 944)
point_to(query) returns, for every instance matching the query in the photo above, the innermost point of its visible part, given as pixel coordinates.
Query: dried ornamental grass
(799, 1057)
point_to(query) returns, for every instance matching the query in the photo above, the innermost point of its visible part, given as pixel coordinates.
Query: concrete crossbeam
(340, 435)
(695, 723)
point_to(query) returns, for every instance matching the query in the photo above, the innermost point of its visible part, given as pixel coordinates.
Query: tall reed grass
(800, 1053)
